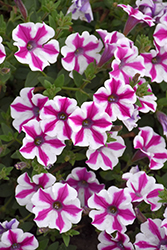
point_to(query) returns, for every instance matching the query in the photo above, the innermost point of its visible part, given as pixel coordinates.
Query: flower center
(87, 123)
(120, 245)
(113, 98)
(83, 183)
(62, 116)
(121, 65)
(31, 45)
(38, 140)
(78, 51)
(36, 111)
(57, 205)
(15, 246)
(156, 60)
(112, 210)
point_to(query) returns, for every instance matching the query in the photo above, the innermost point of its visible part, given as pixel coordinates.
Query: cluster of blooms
(48, 123)
(12, 237)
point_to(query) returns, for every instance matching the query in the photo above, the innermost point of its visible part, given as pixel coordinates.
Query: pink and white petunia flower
(156, 64)
(160, 35)
(26, 107)
(113, 210)
(127, 63)
(89, 124)
(108, 242)
(2, 51)
(143, 187)
(5, 226)
(37, 143)
(85, 183)
(131, 122)
(162, 118)
(80, 51)
(54, 117)
(57, 207)
(152, 146)
(106, 157)
(34, 48)
(117, 98)
(164, 222)
(27, 188)
(148, 102)
(135, 17)
(132, 171)
(152, 236)
(18, 240)
(81, 9)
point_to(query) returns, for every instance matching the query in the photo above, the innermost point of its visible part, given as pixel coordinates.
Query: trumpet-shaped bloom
(27, 188)
(117, 98)
(34, 48)
(153, 236)
(5, 226)
(85, 183)
(113, 210)
(37, 143)
(18, 240)
(81, 9)
(106, 157)
(162, 118)
(143, 187)
(89, 124)
(26, 107)
(2, 51)
(55, 115)
(152, 146)
(127, 63)
(57, 207)
(80, 51)
(108, 242)
(156, 64)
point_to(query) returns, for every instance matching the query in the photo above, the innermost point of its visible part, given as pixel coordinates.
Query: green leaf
(78, 79)
(52, 22)
(47, 84)
(59, 82)
(32, 79)
(5, 129)
(6, 138)
(54, 246)
(162, 101)
(90, 71)
(43, 244)
(138, 103)
(66, 239)
(81, 97)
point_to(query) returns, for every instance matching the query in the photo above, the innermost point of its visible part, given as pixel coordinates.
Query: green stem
(25, 218)
(70, 88)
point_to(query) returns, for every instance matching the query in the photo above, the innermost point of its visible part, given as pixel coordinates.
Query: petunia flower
(106, 157)
(26, 107)
(162, 118)
(119, 242)
(34, 48)
(16, 239)
(81, 9)
(131, 122)
(156, 64)
(143, 187)
(89, 124)
(5, 226)
(135, 17)
(80, 51)
(57, 207)
(27, 188)
(132, 171)
(54, 117)
(151, 145)
(113, 210)
(147, 102)
(37, 143)
(152, 236)
(85, 183)
(117, 98)
(2, 51)
(164, 222)
(127, 63)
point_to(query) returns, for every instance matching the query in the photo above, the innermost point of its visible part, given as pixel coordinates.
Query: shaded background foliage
(54, 79)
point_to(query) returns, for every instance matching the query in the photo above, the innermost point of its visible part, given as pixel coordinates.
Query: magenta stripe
(43, 214)
(19, 107)
(62, 193)
(24, 193)
(60, 222)
(99, 218)
(93, 157)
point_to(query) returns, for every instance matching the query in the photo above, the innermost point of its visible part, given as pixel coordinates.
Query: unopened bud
(43, 230)
(5, 70)
(20, 165)
(22, 8)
